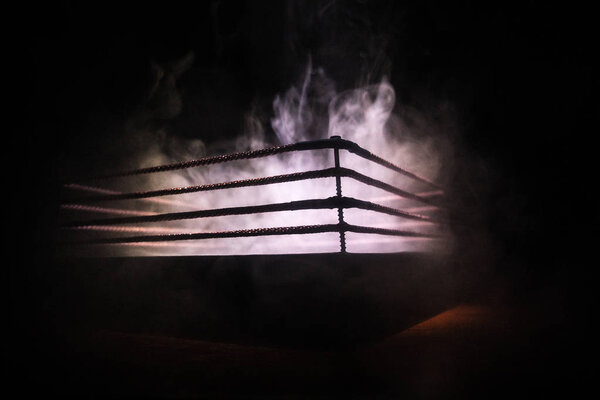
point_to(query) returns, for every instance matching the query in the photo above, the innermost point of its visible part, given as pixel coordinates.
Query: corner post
(338, 189)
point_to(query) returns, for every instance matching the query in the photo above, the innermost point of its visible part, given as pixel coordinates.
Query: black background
(520, 77)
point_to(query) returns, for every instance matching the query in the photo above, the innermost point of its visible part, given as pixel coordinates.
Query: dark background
(519, 77)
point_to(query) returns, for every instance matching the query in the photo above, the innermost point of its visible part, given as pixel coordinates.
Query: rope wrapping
(284, 230)
(245, 155)
(217, 212)
(336, 202)
(337, 143)
(312, 204)
(297, 176)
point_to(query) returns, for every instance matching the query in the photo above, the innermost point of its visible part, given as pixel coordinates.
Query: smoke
(372, 111)
(312, 108)
(366, 115)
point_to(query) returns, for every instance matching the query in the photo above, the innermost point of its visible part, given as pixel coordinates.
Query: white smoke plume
(368, 116)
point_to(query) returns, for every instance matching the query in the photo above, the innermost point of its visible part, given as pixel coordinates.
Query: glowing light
(364, 116)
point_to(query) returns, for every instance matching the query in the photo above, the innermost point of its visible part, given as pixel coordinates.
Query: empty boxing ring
(137, 260)
(132, 225)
